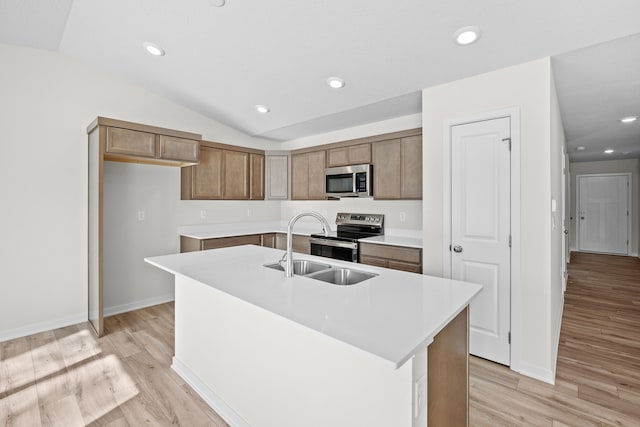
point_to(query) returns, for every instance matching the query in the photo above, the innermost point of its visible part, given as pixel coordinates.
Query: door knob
(457, 248)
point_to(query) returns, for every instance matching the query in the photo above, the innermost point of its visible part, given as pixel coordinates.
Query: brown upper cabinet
(225, 172)
(307, 175)
(256, 192)
(397, 168)
(350, 155)
(396, 159)
(138, 143)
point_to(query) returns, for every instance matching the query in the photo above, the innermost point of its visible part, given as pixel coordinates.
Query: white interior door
(603, 222)
(480, 230)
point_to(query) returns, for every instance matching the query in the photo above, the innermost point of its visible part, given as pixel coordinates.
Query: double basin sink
(325, 272)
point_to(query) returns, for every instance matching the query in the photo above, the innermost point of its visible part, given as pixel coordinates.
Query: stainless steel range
(343, 244)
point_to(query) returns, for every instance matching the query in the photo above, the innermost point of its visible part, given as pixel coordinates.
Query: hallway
(598, 372)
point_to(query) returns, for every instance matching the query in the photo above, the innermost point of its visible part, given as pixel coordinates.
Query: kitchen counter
(393, 237)
(267, 351)
(391, 316)
(213, 231)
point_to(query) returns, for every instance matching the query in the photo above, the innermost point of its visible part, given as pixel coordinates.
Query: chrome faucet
(288, 269)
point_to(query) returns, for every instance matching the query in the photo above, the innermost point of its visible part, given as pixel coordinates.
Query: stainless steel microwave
(348, 181)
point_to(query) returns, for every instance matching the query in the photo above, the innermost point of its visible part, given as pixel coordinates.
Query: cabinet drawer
(378, 262)
(411, 255)
(399, 265)
(178, 149)
(226, 242)
(130, 142)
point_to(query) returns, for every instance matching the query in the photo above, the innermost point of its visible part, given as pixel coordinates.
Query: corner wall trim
(209, 396)
(136, 305)
(537, 373)
(38, 327)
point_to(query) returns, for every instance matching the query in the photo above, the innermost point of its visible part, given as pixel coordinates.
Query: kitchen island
(264, 350)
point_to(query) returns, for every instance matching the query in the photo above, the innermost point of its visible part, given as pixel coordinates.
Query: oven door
(336, 249)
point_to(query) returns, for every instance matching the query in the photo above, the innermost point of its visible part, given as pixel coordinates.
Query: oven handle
(334, 243)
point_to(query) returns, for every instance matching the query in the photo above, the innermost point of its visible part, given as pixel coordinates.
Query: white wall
(631, 166)
(129, 282)
(527, 87)
(557, 257)
(47, 102)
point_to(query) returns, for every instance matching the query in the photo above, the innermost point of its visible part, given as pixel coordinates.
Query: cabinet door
(359, 154)
(130, 142)
(338, 157)
(281, 241)
(411, 168)
(378, 262)
(386, 157)
(300, 176)
(178, 149)
(300, 244)
(236, 175)
(277, 177)
(269, 240)
(227, 242)
(257, 176)
(316, 175)
(351, 155)
(206, 177)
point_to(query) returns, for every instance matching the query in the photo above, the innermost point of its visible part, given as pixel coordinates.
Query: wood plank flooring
(67, 377)
(598, 372)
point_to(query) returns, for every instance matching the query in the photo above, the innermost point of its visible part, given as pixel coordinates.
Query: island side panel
(270, 372)
(448, 374)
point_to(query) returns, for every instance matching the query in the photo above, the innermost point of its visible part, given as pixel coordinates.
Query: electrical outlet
(419, 396)
(203, 214)
(403, 216)
(140, 215)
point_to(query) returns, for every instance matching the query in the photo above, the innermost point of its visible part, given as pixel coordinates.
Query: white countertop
(391, 316)
(212, 231)
(394, 240)
(394, 237)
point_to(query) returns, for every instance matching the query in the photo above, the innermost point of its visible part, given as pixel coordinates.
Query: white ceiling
(223, 61)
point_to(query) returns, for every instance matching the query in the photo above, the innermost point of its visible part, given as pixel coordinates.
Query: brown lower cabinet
(269, 240)
(394, 257)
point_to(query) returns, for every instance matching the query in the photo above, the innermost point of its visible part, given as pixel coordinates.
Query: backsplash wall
(392, 209)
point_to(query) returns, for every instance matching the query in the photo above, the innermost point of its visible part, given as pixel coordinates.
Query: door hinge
(509, 240)
(509, 337)
(509, 140)
(449, 248)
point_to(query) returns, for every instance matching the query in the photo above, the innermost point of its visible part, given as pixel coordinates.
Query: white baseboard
(542, 374)
(556, 341)
(225, 411)
(537, 373)
(136, 305)
(38, 327)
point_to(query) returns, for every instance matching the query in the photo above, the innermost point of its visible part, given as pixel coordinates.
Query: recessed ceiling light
(217, 3)
(335, 82)
(629, 119)
(580, 148)
(467, 35)
(153, 49)
(262, 109)
(609, 151)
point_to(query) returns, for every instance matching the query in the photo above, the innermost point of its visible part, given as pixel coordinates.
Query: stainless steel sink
(301, 267)
(342, 276)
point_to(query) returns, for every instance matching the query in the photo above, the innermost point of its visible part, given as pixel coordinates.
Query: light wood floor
(66, 377)
(598, 372)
